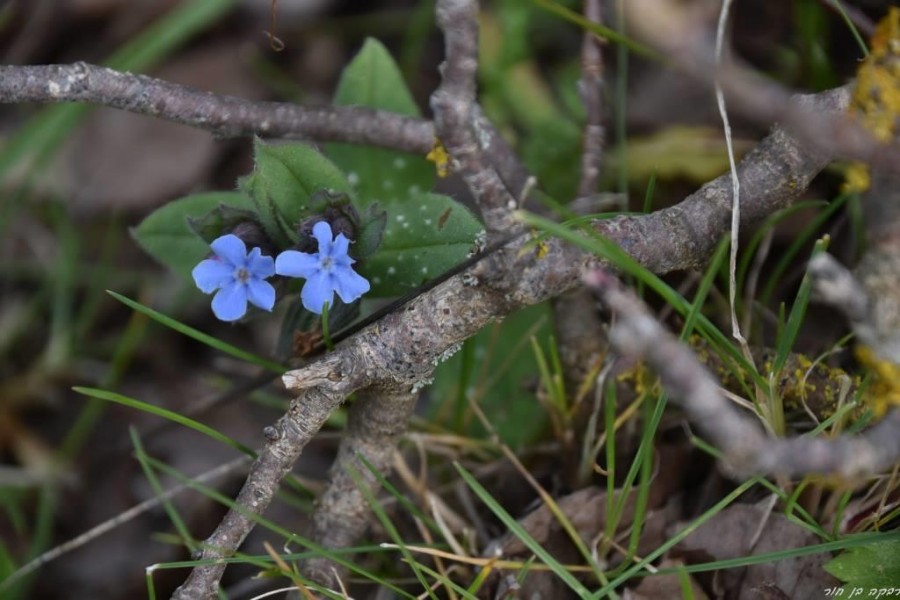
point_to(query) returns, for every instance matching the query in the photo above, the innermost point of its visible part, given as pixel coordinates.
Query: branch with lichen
(404, 346)
(455, 121)
(399, 353)
(804, 386)
(745, 447)
(230, 117)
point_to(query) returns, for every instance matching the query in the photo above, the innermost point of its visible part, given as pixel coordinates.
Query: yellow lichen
(441, 159)
(885, 388)
(876, 97)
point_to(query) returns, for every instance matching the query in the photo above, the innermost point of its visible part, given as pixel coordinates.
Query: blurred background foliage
(75, 179)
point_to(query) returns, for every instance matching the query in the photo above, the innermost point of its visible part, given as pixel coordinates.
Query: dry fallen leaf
(732, 533)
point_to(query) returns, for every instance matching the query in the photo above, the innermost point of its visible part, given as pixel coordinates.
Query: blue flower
(326, 272)
(238, 276)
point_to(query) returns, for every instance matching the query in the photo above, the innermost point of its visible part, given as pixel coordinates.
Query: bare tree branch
(455, 118)
(738, 435)
(579, 332)
(404, 347)
(223, 116)
(228, 116)
(379, 415)
(287, 438)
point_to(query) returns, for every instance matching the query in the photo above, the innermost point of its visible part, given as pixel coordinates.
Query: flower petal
(322, 233)
(260, 265)
(231, 249)
(230, 303)
(349, 284)
(341, 246)
(297, 264)
(211, 274)
(317, 290)
(261, 293)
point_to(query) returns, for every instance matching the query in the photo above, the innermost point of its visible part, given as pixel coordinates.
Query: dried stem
(591, 88)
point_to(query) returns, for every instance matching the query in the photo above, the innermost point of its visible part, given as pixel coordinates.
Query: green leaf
(373, 79)
(425, 235)
(870, 566)
(552, 150)
(166, 236)
(493, 364)
(371, 232)
(285, 179)
(219, 220)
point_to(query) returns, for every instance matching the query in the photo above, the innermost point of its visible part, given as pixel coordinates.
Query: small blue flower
(326, 272)
(238, 276)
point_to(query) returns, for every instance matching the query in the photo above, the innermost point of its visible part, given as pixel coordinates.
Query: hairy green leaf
(373, 79)
(284, 180)
(166, 235)
(870, 567)
(425, 236)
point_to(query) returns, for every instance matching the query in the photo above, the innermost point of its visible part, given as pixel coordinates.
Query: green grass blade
(391, 530)
(448, 583)
(852, 27)
(604, 248)
(604, 32)
(786, 260)
(851, 541)
(517, 530)
(771, 221)
(143, 459)
(663, 548)
(399, 496)
(46, 131)
(199, 335)
(798, 314)
(165, 414)
(709, 276)
(336, 556)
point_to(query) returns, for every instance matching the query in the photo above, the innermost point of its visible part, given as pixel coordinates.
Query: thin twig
(672, 29)
(455, 120)
(746, 448)
(117, 521)
(591, 88)
(735, 183)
